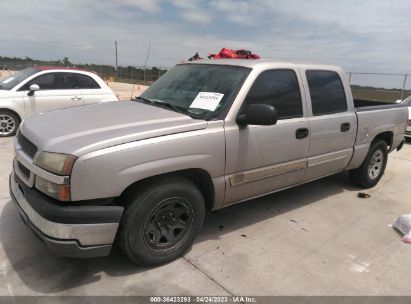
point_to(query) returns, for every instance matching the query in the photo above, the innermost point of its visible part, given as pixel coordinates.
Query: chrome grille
(27, 146)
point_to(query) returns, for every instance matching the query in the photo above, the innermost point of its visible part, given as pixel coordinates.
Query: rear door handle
(76, 98)
(345, 127)
(301, 133)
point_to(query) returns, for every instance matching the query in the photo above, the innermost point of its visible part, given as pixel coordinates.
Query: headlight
(57, 163)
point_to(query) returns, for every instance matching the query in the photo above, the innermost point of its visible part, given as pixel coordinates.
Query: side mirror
(33, 88)
(258, 114)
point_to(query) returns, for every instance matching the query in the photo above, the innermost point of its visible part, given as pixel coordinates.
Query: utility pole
(115, 46)
(403, 86)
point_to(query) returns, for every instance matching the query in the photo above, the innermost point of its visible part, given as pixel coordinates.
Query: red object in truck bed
(236, 54)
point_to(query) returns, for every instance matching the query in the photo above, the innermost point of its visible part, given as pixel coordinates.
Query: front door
(57, 91)
(262, 159)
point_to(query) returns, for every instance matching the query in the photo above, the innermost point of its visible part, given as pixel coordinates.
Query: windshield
(199, 90)
(10, 82)
(407, 101)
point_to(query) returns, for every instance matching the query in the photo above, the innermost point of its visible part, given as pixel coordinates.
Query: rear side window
(326, 91)
(86, 82)
(280, 89)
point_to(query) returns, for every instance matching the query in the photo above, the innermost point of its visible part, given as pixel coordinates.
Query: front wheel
(161, 221)
(9, 123)
(373, 166)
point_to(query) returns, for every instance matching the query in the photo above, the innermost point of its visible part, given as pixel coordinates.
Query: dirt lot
(123, 90)
(378, 95)
(316, 239)
(4, 73)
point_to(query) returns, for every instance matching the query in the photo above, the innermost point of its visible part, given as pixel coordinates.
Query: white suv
(42, 89)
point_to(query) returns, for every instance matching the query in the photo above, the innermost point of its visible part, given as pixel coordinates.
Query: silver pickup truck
(206, 135)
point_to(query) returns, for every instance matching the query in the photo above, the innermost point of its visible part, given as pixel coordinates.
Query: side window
(69, 81)
(326, 91)
(86, 82)
(46, 82)
(280, 89)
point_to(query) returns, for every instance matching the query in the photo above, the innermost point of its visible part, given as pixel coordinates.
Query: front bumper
(70, 231)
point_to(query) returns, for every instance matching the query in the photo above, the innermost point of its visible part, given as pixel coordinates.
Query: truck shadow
(45, 273)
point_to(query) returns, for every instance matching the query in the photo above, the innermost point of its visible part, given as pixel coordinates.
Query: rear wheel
(161, 221)
(9, 123)
(373, 167)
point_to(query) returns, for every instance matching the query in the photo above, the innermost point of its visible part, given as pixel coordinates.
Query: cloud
(184, 4)
(371, 35)
(196, 17)
(246, 13)
(192, 11)
(148, 6)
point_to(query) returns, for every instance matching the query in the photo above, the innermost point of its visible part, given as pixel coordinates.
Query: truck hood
(84, 129)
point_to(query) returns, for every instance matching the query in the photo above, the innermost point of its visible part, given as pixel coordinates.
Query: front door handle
(301, 133)
(345, 127)
(75, 98)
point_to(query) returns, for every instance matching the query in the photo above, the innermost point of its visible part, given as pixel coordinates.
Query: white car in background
(45, 88)
(407, 102)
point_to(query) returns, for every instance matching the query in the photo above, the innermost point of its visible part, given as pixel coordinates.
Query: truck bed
(373, 117)
(370, 105)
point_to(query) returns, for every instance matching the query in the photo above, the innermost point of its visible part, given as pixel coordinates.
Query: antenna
(148, 54)
(144, 68)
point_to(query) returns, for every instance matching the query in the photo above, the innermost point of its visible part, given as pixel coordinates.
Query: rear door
(57, 90)
(333, 123)
(262, 159)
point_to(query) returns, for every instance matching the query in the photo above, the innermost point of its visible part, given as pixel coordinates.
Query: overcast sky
(360, 35)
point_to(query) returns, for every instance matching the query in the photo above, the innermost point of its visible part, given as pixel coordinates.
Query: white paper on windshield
(7, 80)
(207, 101)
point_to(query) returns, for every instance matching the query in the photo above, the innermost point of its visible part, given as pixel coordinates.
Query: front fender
(13, 106)
(108, 172)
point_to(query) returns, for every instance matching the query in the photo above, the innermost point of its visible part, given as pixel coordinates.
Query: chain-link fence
(368, 86)
(387, 87)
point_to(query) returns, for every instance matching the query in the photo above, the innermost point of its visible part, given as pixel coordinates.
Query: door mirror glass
(33, 88)
(258, 114)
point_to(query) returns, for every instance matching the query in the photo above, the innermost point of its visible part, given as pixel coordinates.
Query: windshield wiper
(145, 100)
(173, 107)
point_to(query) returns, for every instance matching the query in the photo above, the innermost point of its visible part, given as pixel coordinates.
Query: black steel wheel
(161, 220)
(168, 223)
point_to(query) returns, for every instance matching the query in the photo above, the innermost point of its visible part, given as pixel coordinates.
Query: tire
(161, 221)
(366, 176)
(9, 123)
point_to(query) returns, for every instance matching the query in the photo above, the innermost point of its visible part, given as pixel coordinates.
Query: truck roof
(252, 63)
